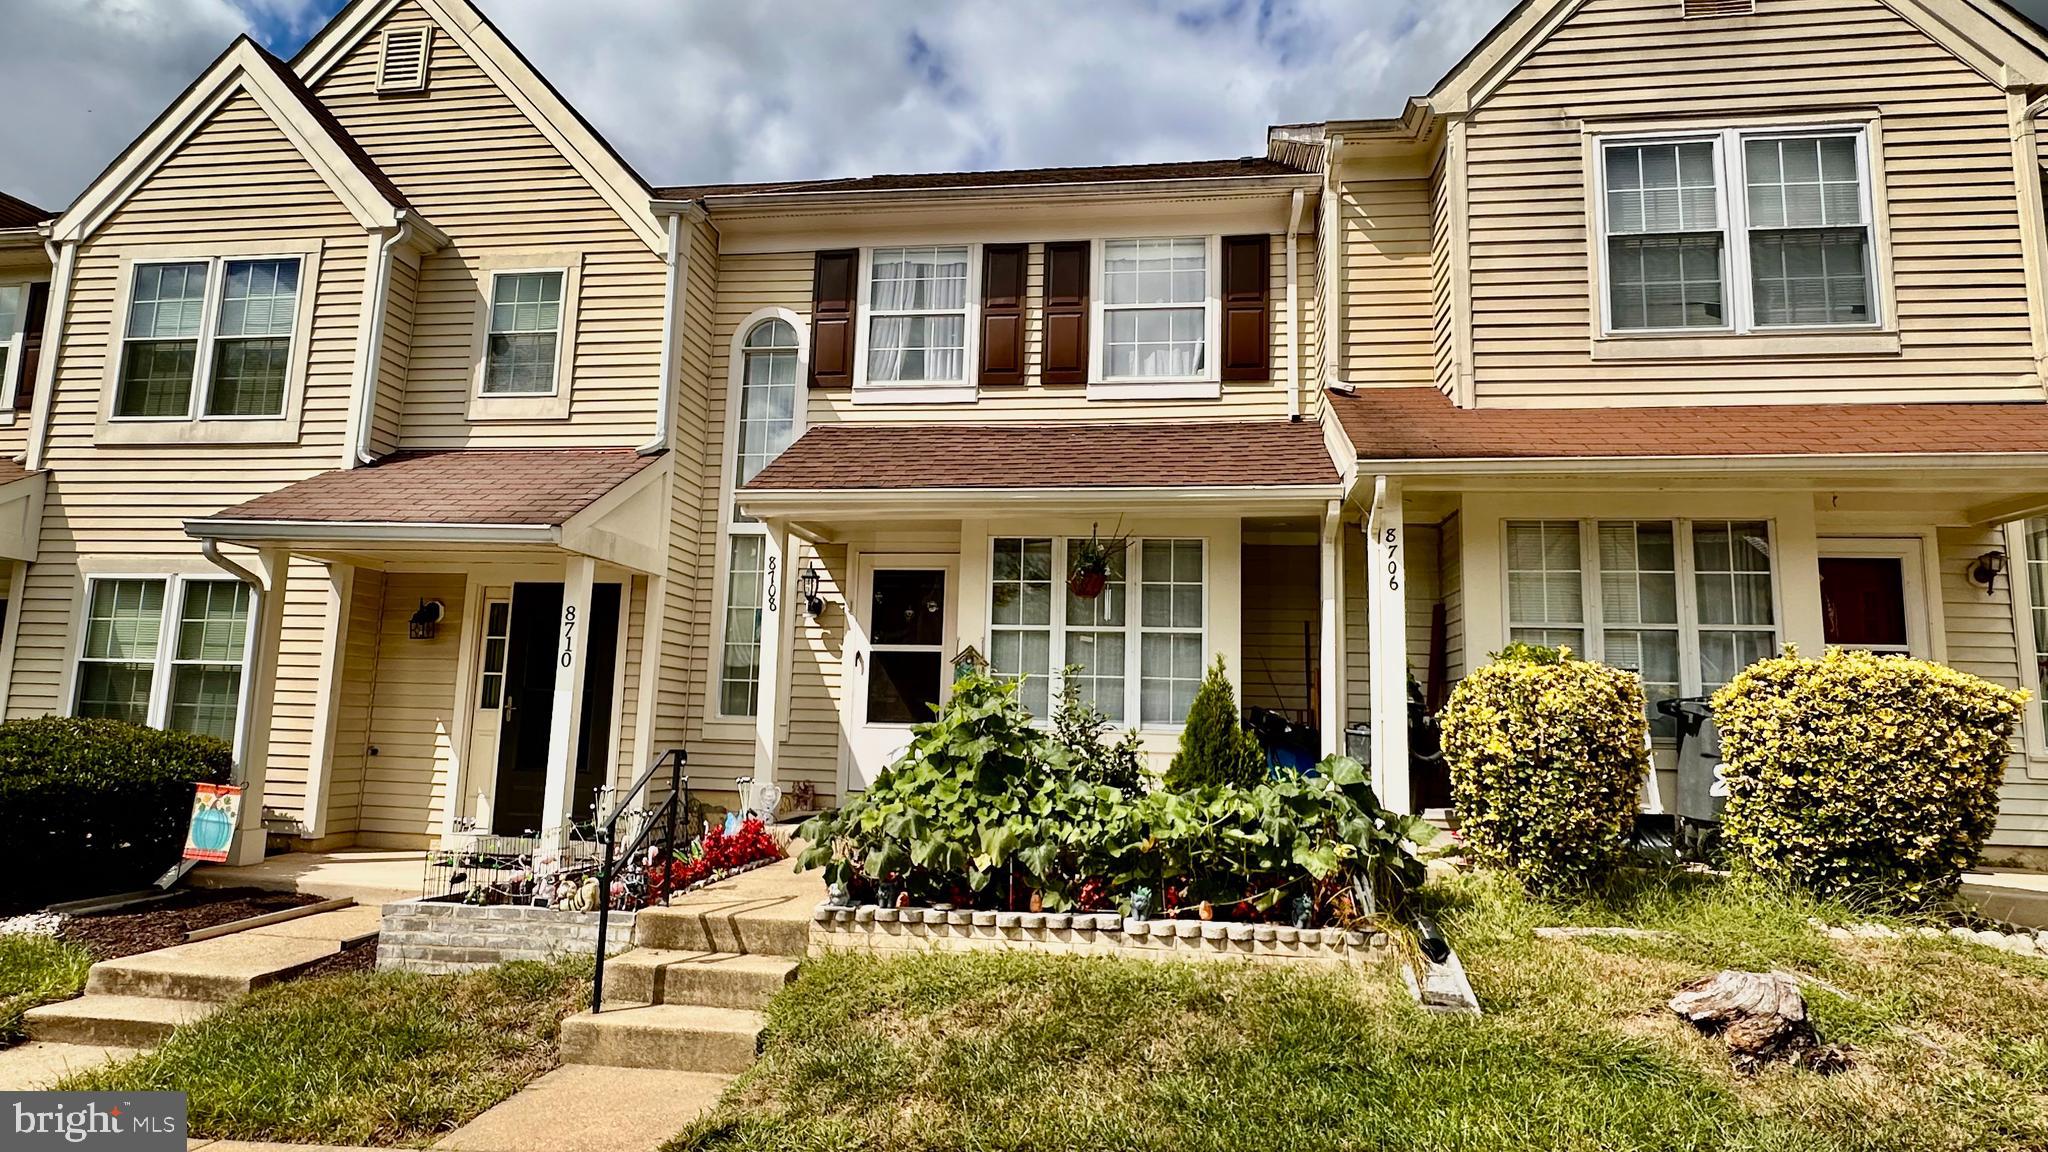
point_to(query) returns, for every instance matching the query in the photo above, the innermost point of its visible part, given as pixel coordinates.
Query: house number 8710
(568, 635)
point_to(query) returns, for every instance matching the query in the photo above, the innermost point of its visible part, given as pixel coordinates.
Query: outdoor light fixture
(1986, 570)
(807, 583)
(425, 620)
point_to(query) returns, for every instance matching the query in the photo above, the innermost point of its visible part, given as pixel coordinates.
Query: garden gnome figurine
(1304, 910)
(837, 896)
(1141, 902)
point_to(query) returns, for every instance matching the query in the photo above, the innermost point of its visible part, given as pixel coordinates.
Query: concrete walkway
(38, 1065)
(374, 877)
(2015, 897)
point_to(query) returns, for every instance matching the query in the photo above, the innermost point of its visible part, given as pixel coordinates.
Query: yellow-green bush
(1547, 755)
(1861, 775)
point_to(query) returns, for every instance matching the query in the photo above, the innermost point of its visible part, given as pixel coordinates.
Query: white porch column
(1330, 700)
(252, 763)
(1386, 585)
(775, 641)
(565, 730)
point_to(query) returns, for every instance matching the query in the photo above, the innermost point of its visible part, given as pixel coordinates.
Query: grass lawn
(365, 1058)
(36, 970)
(1576, 1051)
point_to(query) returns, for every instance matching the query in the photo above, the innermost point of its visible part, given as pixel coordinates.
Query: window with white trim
(1144, 664)
(768, 396)
(2033, 546)
(522, 348)
(739, 665)
(917, 315)
(220, 329)
(1740, 230)
(164, 651)
(764, 422)
(1685, 604)
(1157, 308)
(13, 324)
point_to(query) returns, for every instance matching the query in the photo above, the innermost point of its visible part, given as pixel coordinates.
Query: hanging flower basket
(1087, 585)
(1089, 563)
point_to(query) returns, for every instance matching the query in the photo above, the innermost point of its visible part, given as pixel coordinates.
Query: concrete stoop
(750, 927)
(114, 1021)
(709, 979)
(674, 1037)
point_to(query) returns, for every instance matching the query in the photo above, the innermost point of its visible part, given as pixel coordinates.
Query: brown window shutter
(31, 345)
(1002, 313)
(832, 309)
(1247, 329)
(1066, 312)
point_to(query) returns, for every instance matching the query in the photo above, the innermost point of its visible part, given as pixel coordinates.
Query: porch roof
(1421, 424)
(845, 458)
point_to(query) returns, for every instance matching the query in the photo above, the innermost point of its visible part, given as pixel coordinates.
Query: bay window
(1740, 230)
(1140, 664)
(167, 651)
(917, 315)
(218, 330)
(1686, 604)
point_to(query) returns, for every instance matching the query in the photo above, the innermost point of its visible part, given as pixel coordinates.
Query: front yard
(36, 969)
(1576, 1050)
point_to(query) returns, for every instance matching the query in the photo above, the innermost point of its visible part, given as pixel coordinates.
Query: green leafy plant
(1865, 776)
(1081, 728)
(1215, 748)
(1547, 755)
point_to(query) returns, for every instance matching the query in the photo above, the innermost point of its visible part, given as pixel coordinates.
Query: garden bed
(869, 928)
(146, 928)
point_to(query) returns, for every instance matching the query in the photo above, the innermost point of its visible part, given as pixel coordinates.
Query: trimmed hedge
(1863, 776)
(97, 806)
(1547, 755)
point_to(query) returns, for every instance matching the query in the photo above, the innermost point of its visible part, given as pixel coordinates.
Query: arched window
(768, 396)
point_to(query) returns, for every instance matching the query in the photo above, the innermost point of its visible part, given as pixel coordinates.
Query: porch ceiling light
(425, 620)
(1986, 569)
(807, 584)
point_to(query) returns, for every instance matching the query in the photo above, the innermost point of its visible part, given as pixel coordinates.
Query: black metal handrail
(672, 809)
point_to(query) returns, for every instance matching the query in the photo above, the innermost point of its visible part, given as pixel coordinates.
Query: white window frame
(1204, 385)
(1690, 680)
(1736, 297)
(1134, 615)
(11, 347)
(485, 407)
(2034, 725)
(965, 391)
(167, 635)
(561, 333)
(742, 726)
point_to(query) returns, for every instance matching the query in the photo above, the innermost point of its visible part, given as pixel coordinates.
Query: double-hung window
(522, 350)
(1742, 230)
(1157, 309)
(1135, 663)
(167, 651)
(765, 382)
(917, 315)
(1686, 604)
(214, 336)
(14, 325)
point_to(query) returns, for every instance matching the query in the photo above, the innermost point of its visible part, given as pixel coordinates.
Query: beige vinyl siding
(1282, 639)
(1451, 587)
(354, 700)
(472, 163)
(1388, 293)
(1357, 640)
(1954, 220)
(626, 704)
(412, 716)
(1442, 298)
(1983, 642)
(302, 652)
(387, 416)
(811, 751)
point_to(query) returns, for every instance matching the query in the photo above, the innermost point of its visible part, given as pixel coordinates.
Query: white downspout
(1294, 306)
(373, 345)
(211, 550)
(63, 259)
(675, 294)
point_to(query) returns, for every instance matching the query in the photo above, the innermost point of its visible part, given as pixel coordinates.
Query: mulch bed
(361, 958)
(125, 932)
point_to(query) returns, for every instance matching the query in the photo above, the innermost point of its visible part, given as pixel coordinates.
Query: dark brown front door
(1863, 602)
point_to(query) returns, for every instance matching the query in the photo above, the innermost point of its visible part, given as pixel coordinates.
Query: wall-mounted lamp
(807, 583)
(425, 620)
(1986, 570)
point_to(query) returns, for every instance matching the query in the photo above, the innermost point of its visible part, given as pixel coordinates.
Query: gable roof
(2004, 47)
(15, 213)
(368, 194)
(476, 486)
(1240, 167)
(498, 58)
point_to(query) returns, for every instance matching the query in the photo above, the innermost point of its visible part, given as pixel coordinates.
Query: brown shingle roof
(842, 457)
(1421, 424)
(19, 213)
(912, 181)
(474, 486)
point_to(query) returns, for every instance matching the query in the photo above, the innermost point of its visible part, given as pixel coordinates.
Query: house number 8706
(1391, 538)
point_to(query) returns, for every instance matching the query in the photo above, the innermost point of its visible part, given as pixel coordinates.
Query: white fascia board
(1552, 465)
(1204, 187)
(901, 502)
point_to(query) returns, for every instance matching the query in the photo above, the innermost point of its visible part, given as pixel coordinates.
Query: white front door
(493, 641)
(898, 659)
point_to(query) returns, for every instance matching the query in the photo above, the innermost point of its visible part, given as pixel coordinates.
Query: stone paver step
(677, 1037)
(115, 1021)
(712, 979)
(214, 969)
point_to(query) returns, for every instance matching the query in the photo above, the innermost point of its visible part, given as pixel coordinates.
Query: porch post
(774, 654)
(1386, 583)
(253, 763)
(572, 640)
(1330, 701)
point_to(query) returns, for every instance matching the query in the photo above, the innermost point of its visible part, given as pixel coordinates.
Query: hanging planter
(1089, 563)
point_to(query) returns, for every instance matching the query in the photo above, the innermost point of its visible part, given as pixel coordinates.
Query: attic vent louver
(1698, 8)
(403, 67)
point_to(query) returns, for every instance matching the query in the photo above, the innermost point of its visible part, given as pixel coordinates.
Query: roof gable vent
(1698, 8)
(403, 65)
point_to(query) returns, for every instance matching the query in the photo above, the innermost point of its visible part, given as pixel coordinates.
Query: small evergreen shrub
(1547, 755)
(1865, 776)
(1081, 728)
(1215, 748)
(97, 806)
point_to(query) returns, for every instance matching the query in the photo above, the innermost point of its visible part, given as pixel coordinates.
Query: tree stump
(1762, 1016)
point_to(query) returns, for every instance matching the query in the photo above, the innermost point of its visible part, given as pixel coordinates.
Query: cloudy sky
(697, 91)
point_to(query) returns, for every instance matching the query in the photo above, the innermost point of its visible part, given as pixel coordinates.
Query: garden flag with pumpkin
(215, 812)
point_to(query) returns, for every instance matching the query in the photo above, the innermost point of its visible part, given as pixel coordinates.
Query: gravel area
(124, 932)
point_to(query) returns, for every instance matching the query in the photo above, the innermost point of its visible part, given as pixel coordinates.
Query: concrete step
(113, 1021)
(210, 970)
(711, 979)
(678, 1037)
(733, 927)
(586, 1108)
